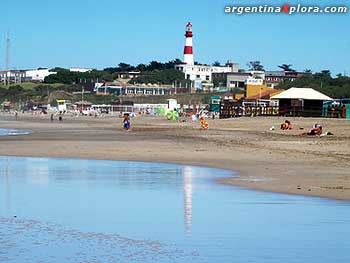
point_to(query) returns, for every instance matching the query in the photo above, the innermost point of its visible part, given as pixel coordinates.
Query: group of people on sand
(315, 130)
(127, 124)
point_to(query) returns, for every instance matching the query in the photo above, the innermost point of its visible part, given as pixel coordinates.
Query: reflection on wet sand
(187, 174)
(7, 186)
(29, 238)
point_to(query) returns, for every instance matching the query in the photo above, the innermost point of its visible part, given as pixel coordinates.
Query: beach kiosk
(214, 104)
(62, 105)
(301, 102)
(172, 104)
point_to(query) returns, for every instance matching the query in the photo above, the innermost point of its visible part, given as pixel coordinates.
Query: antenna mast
(8, 42)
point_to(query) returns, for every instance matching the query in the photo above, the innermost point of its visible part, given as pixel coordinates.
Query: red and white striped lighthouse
(188, 52)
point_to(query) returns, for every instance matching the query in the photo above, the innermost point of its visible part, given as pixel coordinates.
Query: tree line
(256, 65)
(153, 72)
(335, 87)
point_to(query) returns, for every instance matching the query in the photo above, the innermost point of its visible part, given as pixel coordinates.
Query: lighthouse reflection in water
(187, 174)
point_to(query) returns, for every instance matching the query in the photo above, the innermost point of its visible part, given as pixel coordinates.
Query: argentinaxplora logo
(286, 9)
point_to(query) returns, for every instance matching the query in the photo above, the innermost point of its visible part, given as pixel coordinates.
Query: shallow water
(63, 210)
(4, 132)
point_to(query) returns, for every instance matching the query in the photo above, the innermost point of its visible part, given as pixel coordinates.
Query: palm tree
(286, 67)
(255, 65)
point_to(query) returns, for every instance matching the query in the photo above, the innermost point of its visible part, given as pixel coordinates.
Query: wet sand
(277, 161)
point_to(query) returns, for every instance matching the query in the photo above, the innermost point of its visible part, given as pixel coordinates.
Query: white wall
(80, 69)
(204, 72)
(38, 74)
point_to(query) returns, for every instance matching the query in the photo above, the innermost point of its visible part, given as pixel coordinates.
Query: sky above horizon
(99, 34)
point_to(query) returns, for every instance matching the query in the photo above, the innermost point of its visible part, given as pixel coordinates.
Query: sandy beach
(277, 161)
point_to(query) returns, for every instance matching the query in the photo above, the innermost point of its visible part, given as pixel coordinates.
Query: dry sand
(278, 161)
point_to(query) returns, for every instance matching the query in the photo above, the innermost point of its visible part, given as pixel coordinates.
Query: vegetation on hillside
(162, 71)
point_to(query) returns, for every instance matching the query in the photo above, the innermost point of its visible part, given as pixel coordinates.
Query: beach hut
(230, 108)
(302, 102)
(83, 105)
(172, 104)
(214, 104)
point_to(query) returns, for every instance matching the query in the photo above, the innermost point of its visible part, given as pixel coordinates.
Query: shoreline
(235, 145)
(217, 180)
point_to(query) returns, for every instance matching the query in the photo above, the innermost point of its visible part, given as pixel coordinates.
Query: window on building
(188, 76)
(198, 76)
(207, 77)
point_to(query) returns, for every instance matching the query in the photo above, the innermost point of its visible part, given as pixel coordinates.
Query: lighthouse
(188, 52)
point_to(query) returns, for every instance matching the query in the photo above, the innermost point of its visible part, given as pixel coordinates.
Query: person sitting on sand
(316, 130)
(204, 123)
(126, 121)
(286, 125)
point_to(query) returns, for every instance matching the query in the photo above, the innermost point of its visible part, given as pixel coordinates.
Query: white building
(203, 72)
(82, 70)
(38, 74)
(12, 76)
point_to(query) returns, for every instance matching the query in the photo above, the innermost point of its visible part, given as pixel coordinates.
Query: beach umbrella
(172, 115)
(161, 111)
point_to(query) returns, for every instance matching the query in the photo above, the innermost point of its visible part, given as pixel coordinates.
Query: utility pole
(7, 63)
(8, 42)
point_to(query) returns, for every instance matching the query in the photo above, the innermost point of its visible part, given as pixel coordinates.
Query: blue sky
(102, 33)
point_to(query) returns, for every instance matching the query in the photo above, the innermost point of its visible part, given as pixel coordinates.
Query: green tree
(165, 76)
(338, 87)
(286, 67)
(255, 65)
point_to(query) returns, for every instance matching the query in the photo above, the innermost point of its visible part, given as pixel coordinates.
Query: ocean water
(65, 210)
(4, 132)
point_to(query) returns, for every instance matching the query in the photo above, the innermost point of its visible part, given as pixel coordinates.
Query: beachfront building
(82, 105)
(204, 72)
(301, 102)
(272, 78)
(114, 108)
(40, 106)
(123, 89)
(238, 79)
